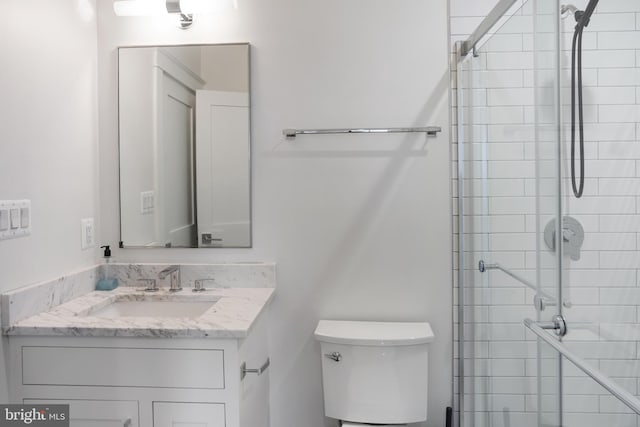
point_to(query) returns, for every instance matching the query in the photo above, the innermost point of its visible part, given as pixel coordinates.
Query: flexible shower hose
(582, 18)
(576, 51)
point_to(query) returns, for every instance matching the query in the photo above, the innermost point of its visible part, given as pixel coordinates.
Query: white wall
(189, 56)
(360, 226)
(48, 129)
(233, 77)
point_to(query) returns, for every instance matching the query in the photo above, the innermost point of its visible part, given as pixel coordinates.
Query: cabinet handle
(244, 371)
(127, 423)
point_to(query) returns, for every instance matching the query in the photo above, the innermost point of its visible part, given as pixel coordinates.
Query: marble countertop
(232, 316)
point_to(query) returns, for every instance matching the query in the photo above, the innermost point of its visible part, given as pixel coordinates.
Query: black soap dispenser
(107, 282)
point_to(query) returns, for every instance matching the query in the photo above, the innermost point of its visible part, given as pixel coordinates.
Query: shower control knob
(335, 356)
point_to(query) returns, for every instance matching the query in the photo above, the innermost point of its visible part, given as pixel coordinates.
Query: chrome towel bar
(259, 371)
(620, 393)
(541, 300)
(429, 130)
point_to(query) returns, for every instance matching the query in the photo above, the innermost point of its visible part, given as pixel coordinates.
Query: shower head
(582, 16)
(567, 9)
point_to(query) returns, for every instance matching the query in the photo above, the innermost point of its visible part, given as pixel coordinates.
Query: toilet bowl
(374, 373)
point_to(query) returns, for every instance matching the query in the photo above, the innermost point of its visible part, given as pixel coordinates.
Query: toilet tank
(375, 372)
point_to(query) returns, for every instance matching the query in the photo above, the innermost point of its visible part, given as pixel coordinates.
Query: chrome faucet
(173, 271)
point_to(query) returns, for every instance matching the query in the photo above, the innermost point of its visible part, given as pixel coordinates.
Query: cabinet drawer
(171, 414)
(123, 367)
(98, 413)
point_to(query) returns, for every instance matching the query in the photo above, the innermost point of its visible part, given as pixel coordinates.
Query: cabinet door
(97, 413)
(174, 414)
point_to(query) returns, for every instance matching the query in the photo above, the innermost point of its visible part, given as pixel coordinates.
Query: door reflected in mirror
(184, 120)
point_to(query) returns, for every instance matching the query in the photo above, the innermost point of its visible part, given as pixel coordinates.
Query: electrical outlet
(88, 233)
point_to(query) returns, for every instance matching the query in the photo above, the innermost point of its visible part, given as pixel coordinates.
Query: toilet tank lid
(374, 333)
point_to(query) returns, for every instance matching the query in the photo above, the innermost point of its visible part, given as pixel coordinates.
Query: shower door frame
(463, 50)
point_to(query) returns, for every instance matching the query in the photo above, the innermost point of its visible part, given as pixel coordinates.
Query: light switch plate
(147, 202)
(15, 219)
(88, 233)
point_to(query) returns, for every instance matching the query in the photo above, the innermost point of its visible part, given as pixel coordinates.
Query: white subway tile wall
(504, 154)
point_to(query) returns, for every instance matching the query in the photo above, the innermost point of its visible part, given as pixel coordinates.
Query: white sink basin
(153, 308)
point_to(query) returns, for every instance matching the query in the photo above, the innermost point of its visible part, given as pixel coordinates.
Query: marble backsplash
(242, 275)
(27, 301)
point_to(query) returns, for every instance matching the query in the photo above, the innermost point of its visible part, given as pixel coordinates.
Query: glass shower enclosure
(548, 216)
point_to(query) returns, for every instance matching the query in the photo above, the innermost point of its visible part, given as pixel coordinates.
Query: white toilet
(374, 372)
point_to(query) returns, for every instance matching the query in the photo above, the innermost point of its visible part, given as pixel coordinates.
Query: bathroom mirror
(184, 146)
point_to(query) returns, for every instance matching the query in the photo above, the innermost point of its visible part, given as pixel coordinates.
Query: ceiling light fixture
(184, 8)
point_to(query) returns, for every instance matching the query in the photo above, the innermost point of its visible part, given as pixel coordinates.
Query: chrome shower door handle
(335, 356)
(557, 324)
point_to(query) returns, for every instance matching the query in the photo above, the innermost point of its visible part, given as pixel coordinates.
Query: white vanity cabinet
(145, 382)
(97, 413)
(171, 414)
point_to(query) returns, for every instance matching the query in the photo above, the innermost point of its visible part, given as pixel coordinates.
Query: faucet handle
(151, 285)
(176, 286)
(199, 285)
